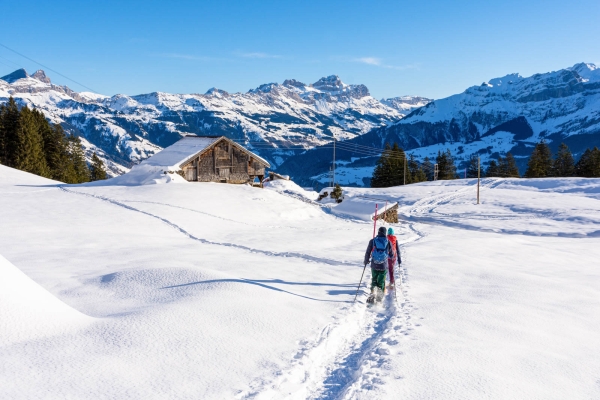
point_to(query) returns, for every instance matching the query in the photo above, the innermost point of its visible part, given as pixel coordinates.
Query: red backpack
(392, 240)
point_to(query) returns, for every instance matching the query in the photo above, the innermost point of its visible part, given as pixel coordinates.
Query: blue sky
(428, 48)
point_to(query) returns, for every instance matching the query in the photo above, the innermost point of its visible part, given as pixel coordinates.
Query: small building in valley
(210, 159)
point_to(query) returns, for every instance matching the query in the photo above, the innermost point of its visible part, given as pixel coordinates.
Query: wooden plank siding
(226, 162)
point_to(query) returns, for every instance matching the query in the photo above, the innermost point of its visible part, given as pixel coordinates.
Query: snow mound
(29, 311)
(361, 207)
(291, 188)
(142, 175)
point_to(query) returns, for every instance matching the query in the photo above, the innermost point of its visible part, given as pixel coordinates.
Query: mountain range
(292, 124)
(507, 114)
(275, 120)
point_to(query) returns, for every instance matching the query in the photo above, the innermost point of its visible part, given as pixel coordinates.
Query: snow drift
(29, 311)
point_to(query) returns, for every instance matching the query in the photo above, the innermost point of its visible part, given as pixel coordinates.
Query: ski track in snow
(424, 211)
(209, 242)
(429, 204)
(350, 356)
(227, 219)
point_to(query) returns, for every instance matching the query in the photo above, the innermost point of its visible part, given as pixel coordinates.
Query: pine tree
(507, 167)
(540, 162)
(10, 128)
(473, 166)
(2, 134)
(30, 155)
(564, 165)
(53, 143)
(389, 170)
(492, 170)
(80, 172)
(446, 167)
(382, 171)
(428, 168)
(415, 171)
(97, 172)
(588, 165)
(583, 168)
(595, 163)
(397, 166)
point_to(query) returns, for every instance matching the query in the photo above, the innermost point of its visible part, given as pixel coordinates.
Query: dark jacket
(379, 267)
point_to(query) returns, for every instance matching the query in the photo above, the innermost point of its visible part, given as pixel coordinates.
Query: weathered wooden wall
(390, 215)
(224, 163)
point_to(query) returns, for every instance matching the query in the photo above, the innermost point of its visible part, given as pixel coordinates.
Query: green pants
(378, 279)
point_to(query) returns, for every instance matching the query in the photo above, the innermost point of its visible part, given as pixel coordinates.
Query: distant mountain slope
(511, 113)
(275, 120)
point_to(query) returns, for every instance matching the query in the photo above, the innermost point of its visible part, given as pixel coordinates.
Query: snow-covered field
(212, 291)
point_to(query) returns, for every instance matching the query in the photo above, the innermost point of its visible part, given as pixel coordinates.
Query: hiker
(396, 258)
(378, 252)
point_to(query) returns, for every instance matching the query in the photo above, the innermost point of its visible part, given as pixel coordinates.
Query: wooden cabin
(210, 159)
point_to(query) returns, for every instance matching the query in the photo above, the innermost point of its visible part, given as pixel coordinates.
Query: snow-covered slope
(274, 120)
(505, 114)
(214, 291)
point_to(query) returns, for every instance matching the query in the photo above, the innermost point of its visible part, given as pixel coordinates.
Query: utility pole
(333, 182)
(478, 177)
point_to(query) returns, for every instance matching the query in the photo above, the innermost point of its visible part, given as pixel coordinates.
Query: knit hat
(390, 231)
(381, 230)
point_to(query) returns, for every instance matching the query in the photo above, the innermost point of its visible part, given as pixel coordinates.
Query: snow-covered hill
(213, 291)
(505, 114)
(275, 120)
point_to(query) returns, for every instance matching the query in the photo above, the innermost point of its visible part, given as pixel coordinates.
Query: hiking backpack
(379, 254)
(392, 240)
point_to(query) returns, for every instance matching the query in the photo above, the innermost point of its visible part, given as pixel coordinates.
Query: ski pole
(359, 283)
(365, 267)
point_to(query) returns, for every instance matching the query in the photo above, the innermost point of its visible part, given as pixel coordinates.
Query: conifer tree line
(542, 165)
(394, 167)
(28, 142)
(390, 168)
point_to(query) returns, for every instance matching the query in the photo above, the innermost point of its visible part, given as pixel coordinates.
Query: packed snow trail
(349, 357)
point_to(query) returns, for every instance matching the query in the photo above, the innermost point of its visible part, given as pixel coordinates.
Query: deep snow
(216, 291)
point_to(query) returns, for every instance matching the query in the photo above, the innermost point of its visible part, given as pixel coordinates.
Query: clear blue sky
(427, 48)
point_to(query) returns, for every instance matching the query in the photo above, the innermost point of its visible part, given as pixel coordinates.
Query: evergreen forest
(28, 142)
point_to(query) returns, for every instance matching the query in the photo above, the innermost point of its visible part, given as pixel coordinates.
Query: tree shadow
(262, 284)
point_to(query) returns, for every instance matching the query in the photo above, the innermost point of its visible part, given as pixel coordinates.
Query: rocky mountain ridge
(274, 120)
(507, 114)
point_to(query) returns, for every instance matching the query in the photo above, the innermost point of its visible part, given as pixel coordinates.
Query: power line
(48, 68)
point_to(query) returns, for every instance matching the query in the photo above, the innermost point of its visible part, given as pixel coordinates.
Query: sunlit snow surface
(214, 291)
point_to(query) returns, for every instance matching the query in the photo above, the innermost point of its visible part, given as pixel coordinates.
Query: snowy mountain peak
(41, 76)
(216, 92)
(587, 71)
(510, 78)
(294, 83)
(15, 76)
(331, 83)
(264, 88)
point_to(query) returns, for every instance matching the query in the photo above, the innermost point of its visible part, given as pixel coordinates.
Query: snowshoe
(371, 299)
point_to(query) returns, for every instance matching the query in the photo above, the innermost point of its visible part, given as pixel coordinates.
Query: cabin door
(224, 173)
(191, 172)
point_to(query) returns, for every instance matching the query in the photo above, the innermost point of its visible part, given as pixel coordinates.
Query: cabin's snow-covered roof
(179, 152)
(174, 156)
